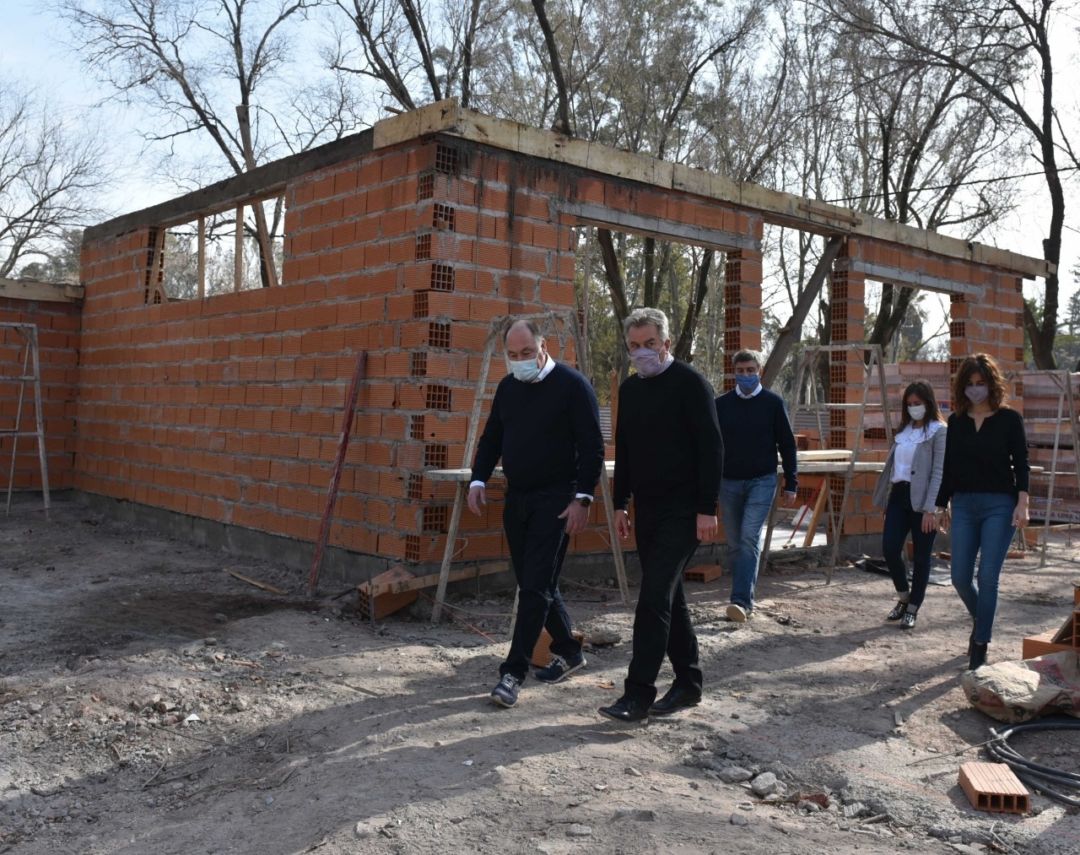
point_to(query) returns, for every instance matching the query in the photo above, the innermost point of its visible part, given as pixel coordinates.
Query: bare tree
(1002, 47)
(416, 52)
(48, 181)
(208, 68)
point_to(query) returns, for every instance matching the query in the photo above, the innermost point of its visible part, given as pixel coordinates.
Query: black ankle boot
(971, 643)
(978, 655)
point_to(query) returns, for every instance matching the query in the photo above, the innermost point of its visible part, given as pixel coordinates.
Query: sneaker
(505, 693)
(737, 613)
(560, 669)
(898, 611)
(908, 620)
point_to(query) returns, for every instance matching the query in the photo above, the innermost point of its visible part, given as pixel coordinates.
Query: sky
(33, 50)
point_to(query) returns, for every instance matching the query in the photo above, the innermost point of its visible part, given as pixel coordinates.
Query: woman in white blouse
(907, 490)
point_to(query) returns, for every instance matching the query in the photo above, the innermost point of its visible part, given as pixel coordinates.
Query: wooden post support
(238, 249)
(201, 257)
(335, 476)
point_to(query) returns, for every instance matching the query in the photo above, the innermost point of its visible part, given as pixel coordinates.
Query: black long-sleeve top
(547, 433)
(992, 459)
(667, 441)
(753, 429)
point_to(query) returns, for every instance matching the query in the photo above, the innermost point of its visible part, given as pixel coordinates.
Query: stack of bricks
(58, 349)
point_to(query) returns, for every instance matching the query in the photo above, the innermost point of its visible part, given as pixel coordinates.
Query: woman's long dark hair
(925, 391)
(984, 364)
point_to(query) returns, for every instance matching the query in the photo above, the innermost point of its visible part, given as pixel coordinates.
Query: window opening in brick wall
(209, 256)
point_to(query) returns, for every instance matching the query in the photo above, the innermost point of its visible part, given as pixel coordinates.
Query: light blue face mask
(747, 383)
(525, 370)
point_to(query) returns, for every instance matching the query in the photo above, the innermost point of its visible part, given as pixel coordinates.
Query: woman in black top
(986, 479)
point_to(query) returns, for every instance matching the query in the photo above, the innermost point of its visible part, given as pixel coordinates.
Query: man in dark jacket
(755, 426)
(545, 425)
(668, 455)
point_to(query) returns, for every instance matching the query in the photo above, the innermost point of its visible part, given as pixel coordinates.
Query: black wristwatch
(584, 501)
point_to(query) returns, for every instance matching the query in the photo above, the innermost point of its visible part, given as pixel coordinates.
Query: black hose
(1045, 779)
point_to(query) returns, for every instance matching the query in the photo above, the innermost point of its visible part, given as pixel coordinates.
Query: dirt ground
(149, 702)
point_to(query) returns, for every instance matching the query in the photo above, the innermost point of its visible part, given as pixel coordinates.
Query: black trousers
(666, 541)
(537, 539)
(900, 521)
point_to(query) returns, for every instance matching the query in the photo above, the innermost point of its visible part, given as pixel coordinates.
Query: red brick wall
(230, 408)
(58, 347)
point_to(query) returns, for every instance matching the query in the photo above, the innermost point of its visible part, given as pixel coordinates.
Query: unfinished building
(220, 413)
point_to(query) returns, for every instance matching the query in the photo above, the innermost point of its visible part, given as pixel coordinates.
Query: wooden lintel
(48, 292)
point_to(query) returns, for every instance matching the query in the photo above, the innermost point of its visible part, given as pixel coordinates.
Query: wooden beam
(46, 292)
(201, 257)
(238, 249)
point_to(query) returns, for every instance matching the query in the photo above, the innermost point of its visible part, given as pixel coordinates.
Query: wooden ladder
(30, 373)
(1063, 380)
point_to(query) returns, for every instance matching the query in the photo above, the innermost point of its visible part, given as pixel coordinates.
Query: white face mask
(525, 370)
(918, 412)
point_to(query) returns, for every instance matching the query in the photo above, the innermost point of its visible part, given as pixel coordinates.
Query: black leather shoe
(978, 656)
(626, 710)
(677, 698)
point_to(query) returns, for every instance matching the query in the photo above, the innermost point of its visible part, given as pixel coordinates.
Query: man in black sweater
(668, 455)
(545, 425)
(754, 424)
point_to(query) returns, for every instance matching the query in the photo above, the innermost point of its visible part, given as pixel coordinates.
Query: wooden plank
(264, 586)
(47, 292)
(238, 249)
(405, 581)
(201, 257)
(335, 474)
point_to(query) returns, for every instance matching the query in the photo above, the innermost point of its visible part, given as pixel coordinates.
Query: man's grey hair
(644, 317)
(529, 324)
(748, 356)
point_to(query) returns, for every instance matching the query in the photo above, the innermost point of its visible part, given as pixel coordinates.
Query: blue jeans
(981, 524)
(745, 505)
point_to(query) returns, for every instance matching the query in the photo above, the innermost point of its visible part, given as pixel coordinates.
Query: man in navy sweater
(667, 456)
(754, 424)
(545, 425)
